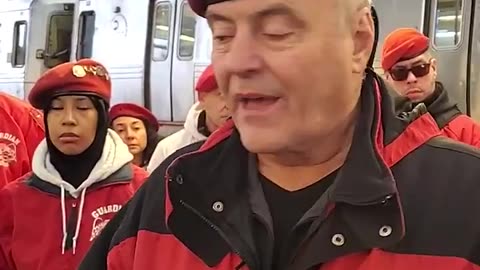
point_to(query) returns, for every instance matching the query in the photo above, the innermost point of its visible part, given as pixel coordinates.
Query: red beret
(403, 44)
(85, 76)
(133, 110)
(207, 81)
(200, 6)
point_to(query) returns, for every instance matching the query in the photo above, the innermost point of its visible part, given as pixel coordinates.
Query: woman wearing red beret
(82, 174)
(138, 128)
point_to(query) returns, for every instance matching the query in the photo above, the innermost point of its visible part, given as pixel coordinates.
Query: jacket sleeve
(469, 130)
(6, 230)
(475, 134)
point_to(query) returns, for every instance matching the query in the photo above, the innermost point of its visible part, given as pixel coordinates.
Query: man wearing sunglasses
(412, 71)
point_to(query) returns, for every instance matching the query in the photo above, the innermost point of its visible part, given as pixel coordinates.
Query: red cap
(200, 6)
(133, 110)
(403, 44)
(207, 81)
(83, 77)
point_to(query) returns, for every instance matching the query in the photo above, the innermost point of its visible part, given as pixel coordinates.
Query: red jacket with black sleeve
(45, 223)
(21, 130)
(406, 198)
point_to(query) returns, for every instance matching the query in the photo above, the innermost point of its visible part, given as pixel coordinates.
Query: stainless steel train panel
(449, 40)
(161, 59)
(183, 94)
(474, 63)
(119, 42)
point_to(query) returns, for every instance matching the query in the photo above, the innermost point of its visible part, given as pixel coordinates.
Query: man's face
(290, 71)
(213, 102)
(416, 88)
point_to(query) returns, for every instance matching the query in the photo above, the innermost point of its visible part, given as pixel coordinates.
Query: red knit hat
(403, 44)
(133, 110)
(83, 77)
(207, 81)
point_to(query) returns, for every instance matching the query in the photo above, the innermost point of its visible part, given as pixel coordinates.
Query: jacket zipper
(221, 233)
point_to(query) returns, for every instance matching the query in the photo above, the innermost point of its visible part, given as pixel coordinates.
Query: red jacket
(452, 122)
(406, 198)
(21, 130)
(48, 224)
(464, 129)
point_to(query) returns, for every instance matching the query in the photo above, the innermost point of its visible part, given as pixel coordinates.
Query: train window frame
(179, 34)
(49, 33)
(460, 29)
(86, 34)
(154, 29)
(15, 48)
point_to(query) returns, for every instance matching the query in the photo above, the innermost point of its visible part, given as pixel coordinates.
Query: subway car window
(19, 44)
(59, 39)
(85, 34)
(161, 37)
(448, 23)
(187, 33)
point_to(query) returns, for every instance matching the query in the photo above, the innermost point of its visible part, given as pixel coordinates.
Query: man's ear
(363, 38)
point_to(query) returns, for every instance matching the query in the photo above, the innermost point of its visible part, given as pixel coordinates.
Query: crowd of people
(297, 155)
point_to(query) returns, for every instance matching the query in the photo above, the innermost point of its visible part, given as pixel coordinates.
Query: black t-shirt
(287, 208)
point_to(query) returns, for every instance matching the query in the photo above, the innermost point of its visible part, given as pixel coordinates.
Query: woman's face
(133, 133)
(72, 124)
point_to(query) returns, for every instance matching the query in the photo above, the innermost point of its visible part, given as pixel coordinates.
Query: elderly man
(314, 172)
(412, 71)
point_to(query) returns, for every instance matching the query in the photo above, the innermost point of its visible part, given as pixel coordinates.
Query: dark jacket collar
(438, 104)
(218, 172)
(441, 107)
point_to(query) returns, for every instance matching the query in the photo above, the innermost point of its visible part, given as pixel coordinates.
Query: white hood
(191, 123)
(114, 156)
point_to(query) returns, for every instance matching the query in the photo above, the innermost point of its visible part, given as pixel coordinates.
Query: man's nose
(411, 78)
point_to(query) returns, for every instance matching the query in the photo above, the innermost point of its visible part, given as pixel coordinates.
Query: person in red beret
(82, 174)
(21, 130)
(138, 129)
(204, 117)
(412, 71)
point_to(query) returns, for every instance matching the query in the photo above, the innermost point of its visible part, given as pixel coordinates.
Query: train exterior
(155, 50)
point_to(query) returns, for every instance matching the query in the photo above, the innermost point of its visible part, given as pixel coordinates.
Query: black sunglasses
(401, 73)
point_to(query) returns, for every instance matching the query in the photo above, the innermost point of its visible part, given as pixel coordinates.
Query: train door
(473, 61)
(13, 43)
(161, 59)
(183, 94)
(50, 39)
(448, 29)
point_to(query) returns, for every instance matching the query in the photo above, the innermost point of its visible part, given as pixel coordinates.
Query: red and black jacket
(405, 199)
